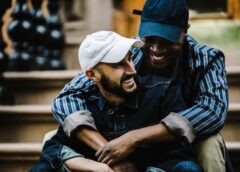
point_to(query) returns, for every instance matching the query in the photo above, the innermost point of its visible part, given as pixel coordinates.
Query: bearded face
(161, 54)
(118, 78)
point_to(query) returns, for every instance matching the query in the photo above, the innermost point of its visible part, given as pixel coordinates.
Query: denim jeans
(183, 166)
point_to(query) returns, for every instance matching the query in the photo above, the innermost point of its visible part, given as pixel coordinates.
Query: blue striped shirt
(205, 116)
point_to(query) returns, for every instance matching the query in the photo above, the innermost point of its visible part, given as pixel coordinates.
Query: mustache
(127, 77)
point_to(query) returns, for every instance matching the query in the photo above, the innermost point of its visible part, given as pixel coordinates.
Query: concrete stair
(25, 123)
(37, 87)
(234, 151)
(232, 125)
(233, 76)
(18, 157)
(40, 87)
(29, 123)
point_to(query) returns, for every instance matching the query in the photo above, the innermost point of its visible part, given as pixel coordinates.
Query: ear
(93, 74)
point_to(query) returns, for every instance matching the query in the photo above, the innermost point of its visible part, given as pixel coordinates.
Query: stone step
(232, 57)
(70, 55)
(40, 87)
(16, 157)
(234, 152)
(29, 123)
(37, 87)
(233, 74)
(232, 125)
(25, 123)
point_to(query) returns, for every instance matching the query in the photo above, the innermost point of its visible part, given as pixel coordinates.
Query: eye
(130, 58)
(116, 65)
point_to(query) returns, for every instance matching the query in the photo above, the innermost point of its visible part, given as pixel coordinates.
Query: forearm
(91, 138)
(83, 164)
(155, 133)
(95, 140)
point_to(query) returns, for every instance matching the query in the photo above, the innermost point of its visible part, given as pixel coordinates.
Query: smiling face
(118, 78)
(161, 54)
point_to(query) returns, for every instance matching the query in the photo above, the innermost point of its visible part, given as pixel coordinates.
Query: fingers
(111, 162)
(106, 160)
(98, 152)
(102, 155)
(105, 156)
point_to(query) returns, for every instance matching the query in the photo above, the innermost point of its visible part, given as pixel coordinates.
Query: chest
(114, 121)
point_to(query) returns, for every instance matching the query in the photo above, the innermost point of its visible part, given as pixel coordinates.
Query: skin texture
(96, 142)
(116, 80)
(83, 164)
(161, 54)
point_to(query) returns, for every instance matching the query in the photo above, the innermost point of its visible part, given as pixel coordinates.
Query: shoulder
(79, 83)
(201, 55)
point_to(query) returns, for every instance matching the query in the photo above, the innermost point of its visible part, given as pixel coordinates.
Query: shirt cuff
(68, 153)
(180, 127)
(77, 119)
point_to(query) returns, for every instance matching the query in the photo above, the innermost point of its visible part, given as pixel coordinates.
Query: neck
(113, 99)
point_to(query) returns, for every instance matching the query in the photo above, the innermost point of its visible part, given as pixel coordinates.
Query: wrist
(134, 137)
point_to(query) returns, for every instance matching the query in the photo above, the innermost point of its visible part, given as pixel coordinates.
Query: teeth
(158, 58)
(128, 81)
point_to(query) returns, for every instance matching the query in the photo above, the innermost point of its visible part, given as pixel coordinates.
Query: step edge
(41, 75)
(46, 109)
(37, 147)
(68, 74)
(25, 109)
(25, 148)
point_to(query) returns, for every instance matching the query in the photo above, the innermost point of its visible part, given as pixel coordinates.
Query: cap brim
(169, 32)
(120, 50)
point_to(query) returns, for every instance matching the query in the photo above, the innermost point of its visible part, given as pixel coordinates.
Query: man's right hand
(124, 166)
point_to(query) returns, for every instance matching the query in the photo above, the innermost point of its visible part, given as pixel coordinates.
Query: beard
(109, 86)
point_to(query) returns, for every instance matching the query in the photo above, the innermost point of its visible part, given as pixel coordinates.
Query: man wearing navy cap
(168, 51)
(122, 108)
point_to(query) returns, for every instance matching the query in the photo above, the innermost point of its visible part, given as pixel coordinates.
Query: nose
(156, 48)
(131, 68)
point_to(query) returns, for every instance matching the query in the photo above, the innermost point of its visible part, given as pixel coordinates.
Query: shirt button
(56, 163)
(110, 111)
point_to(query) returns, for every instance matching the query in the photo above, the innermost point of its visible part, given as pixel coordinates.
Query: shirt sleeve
(172, 103)
(208, 114)
(69, 107)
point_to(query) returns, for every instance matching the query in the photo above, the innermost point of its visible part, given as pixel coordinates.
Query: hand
(124, 166)
(116, 150)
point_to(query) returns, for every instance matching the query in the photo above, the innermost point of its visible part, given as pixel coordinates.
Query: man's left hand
(116, 150)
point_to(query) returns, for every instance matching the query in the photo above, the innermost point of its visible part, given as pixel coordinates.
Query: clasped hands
(116, 150)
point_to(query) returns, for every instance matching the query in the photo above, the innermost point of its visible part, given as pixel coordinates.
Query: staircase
(23, 125)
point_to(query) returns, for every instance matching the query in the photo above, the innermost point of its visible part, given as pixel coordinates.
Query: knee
(187, 166)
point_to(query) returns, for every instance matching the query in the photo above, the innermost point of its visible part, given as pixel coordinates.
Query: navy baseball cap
(164, 18)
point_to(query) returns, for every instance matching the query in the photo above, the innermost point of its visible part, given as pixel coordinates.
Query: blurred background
(39, 41)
